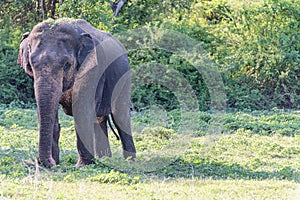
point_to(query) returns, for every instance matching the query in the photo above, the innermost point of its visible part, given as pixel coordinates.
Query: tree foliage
(255, 44)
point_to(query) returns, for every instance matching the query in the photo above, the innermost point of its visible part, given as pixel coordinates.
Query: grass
(152, 189)
(253, 155)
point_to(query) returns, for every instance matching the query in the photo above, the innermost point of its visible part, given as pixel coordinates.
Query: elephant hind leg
(121, 116)
(102, 147)
(123, 126)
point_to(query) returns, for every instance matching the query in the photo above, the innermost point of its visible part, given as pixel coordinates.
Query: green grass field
(252, 155)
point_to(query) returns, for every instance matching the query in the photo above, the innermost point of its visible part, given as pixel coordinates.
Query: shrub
(255, 45)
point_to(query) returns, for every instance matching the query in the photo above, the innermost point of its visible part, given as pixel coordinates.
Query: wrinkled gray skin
(53, 53)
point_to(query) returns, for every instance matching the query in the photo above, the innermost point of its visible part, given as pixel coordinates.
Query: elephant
(87, 72)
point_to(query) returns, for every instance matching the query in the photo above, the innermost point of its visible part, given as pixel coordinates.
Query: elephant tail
(113, 130)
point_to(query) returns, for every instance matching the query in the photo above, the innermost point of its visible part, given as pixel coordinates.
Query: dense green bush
(15, 85)
(255, 44)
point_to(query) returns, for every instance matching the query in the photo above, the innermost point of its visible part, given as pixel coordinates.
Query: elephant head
(52, 53)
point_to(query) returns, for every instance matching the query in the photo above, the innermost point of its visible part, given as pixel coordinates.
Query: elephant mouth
(66, 86)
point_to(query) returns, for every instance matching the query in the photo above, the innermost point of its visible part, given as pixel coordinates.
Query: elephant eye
(67, 67)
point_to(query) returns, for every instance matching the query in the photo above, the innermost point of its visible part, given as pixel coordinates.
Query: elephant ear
(23, 57)
(86, 46)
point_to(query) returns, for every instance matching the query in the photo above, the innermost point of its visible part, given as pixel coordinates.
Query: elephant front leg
(85, 156)
(55, 147)
(84, 117)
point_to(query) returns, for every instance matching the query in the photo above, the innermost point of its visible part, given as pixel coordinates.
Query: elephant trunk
(47, 92)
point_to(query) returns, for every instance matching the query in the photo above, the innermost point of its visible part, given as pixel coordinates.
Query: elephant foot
(48, 163)
(129, 155)
(56, 159)
(55, 155)
(83, 162)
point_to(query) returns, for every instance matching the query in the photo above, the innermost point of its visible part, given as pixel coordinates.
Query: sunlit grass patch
(235, 161)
